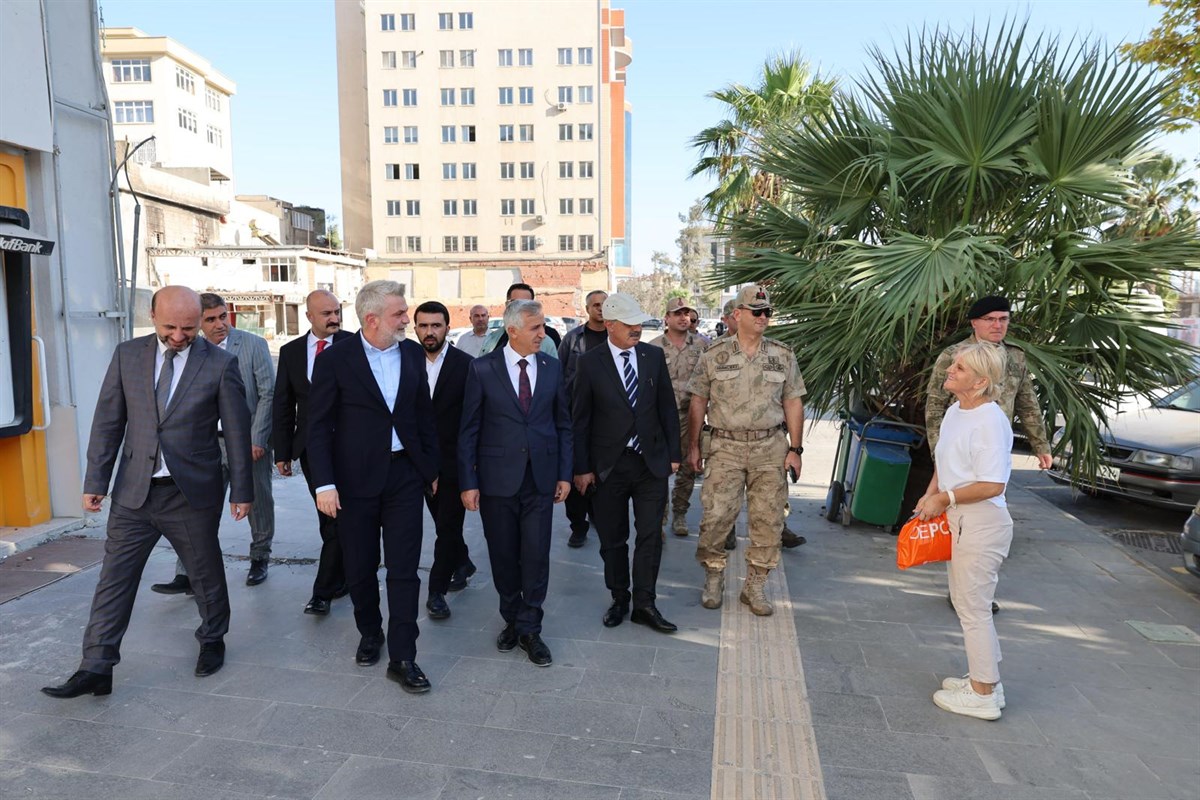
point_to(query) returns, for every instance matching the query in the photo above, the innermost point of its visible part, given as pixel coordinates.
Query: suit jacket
(290, 402)
(604, 420)
(350, 426)
(497, 438)
(254, 362)
(447, 409)
(210, 388)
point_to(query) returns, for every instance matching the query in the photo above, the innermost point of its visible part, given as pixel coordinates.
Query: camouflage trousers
(685, 478)
(756, 467)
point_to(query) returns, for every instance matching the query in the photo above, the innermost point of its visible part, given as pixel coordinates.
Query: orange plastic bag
(923, 542)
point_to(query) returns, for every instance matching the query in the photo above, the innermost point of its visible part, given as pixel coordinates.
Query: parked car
(1191, 542)
(652, 325)
(1151, 455)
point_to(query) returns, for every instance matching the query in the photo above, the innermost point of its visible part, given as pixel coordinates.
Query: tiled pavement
(1096, 712)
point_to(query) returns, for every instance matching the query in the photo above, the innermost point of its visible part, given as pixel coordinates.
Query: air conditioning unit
(538, 220)
(561, 106)
(539, 241)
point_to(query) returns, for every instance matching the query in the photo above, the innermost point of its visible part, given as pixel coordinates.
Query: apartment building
(481, 135)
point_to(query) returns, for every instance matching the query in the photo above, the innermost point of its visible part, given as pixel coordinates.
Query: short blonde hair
(989, 362)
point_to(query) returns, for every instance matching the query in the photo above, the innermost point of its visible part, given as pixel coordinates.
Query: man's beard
(432, 344)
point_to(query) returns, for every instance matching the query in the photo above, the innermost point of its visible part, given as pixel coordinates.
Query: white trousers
(981, 534)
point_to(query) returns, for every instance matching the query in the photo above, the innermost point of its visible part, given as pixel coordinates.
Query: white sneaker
(965, 701)
(965, 680)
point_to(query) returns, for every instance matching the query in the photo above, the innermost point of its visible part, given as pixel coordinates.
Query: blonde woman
(973, 465)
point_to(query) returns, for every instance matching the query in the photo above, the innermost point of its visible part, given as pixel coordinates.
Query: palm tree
(968, 165)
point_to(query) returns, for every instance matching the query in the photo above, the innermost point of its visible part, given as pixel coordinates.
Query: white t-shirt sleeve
(991, 447)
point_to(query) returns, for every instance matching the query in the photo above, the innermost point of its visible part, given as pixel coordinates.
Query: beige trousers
(981, 534)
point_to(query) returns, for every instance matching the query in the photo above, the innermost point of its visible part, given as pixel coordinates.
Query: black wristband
(797, 450)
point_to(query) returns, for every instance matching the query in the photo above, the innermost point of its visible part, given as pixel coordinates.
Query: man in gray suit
(158, 411)
(258, 378)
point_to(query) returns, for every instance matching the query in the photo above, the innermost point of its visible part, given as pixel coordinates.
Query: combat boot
(714, 588)
(754, 592)
(679, 525)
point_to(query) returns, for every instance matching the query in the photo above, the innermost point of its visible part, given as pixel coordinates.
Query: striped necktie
(631, 392)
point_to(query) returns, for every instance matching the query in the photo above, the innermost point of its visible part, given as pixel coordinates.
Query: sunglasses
(760, 312)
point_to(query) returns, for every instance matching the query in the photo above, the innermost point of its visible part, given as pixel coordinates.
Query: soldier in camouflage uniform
(682, 350)
(751, 388)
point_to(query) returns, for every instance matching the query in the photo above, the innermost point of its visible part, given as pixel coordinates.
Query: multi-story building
(480, 135)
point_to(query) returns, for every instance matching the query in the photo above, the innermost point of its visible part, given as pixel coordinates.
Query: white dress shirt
(311, 349)
(434, 368)
(511, 357)
(385, 366)
(180, 362)
(620, 362)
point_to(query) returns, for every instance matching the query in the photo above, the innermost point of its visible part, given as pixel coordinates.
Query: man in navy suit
(514, 464)
(373, 449)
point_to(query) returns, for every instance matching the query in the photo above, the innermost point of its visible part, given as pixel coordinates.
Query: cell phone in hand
(791, 471)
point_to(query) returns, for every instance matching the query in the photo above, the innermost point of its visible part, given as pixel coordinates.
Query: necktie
(631, 392)
(162, 394)
(525, 393)
(321, 345)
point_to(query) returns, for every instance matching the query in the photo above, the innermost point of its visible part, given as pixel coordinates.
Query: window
(466, 96)
(412, 208)
(449, 171)
(215, 136)
(148, 154)
(586, 131)
(410, 134)
(564, 94)
(448, 134)
(408, 22)
(445, 21)
(468, 133)
(391, 134)
(185, 80)
(528, 207)
(470, 244)
(387, 22)
(389, 98)
(133, 111)
(508, 244)
(389, 59)
(587, 242)
(395, 244)
(585, 94)
(449, 244)
(566, 169)
(448, 96)
(466, 58)
(468, 170)
(466, 20)
(470, 208)
(187, 120)
(566, 133)
(412, 244)
(566, 205)
(587, 206)
(525, 57)
(391, 172)
(410, 97)
(526, 95)
(408, 59)
(131, 70)
(412, 172)
(564, 56)
(393, 208)
(566, 243)
(527, 170)
(449, 208)
(508, 208)
(212, 99)
(446, 59)
(506, 96)
(585, 55)
(528, 244)
(505, 58)
(506, 133)
(507, 170)
(585, 169)
(525, 133)
(279, 270)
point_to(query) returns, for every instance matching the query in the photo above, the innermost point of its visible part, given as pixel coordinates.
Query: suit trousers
(131, 536)
(981, 534)
(630, 479)
(578, 508)
(331, 573)
(262, 510)
(449, 550)
(517, 530)
(397, 512)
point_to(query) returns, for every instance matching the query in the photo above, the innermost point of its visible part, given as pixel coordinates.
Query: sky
(282, 56)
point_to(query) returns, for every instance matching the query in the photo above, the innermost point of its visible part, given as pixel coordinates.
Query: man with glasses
(752, 391)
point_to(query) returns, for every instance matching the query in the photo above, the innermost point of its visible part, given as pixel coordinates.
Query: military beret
(986, 305)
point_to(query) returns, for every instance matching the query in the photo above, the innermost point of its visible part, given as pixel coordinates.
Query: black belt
(221, 433)
(165, 480)
(399, 454)
(633, 451)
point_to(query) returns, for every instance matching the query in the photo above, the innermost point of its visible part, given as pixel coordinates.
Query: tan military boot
(679, 525)
(754, 592)
(714, 589)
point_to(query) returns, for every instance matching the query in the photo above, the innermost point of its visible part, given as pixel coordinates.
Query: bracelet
(953, 499)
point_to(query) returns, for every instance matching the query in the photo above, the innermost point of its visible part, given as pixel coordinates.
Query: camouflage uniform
(681, 364)
(747, 446)
(1017, 397)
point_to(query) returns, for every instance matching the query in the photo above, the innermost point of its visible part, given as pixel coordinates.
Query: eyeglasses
(995, 320)
(760, 312)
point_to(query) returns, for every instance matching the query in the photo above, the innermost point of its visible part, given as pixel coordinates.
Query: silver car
(1190, 539)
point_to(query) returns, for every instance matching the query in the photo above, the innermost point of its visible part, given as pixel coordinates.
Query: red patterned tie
(321, 345)
(525, 395)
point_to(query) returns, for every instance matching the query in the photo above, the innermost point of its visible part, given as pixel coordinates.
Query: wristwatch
(797, 450)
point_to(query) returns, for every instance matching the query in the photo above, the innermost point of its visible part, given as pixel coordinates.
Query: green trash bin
(879, 482)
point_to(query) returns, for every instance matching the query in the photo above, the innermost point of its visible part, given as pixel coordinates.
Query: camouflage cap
(678, 303)
(752, 296)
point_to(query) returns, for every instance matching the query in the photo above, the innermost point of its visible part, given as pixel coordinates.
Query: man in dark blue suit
(514, 461)
(373, 448)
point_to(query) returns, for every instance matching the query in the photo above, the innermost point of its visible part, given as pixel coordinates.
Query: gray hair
(373, 297)
(517, 309)
(989, 362)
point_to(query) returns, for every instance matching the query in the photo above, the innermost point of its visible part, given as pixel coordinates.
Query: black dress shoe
(789, 539)
(995, 605)
(436, 606)
(180, 585)
(257, 573)
(507, 640)
(458, 581)
(318, 606)
(536, 649)
(341, 591)
(650, 616)
(82, 682)
(368, 650)
(212, 658)
(615, 614)
(409, 676)
(731, 539)
(578, 539)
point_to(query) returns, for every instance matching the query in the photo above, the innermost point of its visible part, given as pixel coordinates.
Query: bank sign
(26, 244)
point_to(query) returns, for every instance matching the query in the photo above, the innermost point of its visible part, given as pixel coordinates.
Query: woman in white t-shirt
(974, 460)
